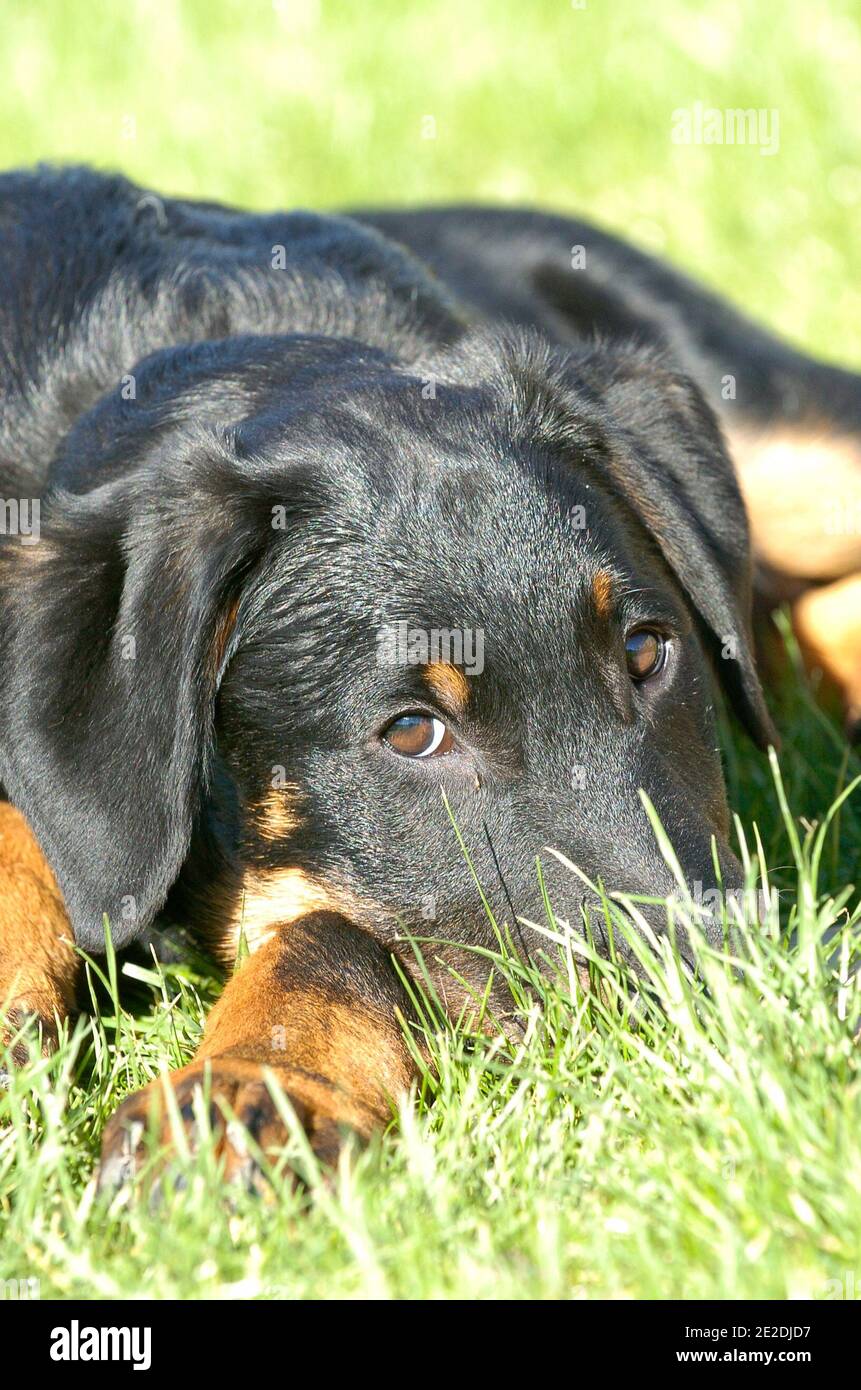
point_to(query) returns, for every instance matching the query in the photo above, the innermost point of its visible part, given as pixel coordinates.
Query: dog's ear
(676, 475)
(116, 627)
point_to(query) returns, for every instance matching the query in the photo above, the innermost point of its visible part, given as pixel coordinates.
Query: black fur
(419, 461)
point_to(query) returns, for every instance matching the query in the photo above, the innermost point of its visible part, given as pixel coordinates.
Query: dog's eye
(419, 736)
(645, 652)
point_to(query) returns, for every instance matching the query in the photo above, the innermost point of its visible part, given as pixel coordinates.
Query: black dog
(319, 541)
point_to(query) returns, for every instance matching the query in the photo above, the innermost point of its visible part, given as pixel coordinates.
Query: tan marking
(38, 964)
(358, 1045)
(449, 684)
(802, 490)
(828, 623)
(271, 899)
(275, 818)
(602, 595)
(40, 552)
(353, 1042)
(223, 634)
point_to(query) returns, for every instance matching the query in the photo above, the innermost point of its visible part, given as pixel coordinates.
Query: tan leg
(802, 488)
(38, 964)
(317, 1007)
(828, 623)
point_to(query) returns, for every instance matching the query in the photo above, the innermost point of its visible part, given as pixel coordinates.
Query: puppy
(340, 543)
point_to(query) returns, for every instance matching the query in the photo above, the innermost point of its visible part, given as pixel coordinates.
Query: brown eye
(645, 651)
(419, 736)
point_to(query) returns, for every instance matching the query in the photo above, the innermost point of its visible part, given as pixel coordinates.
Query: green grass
(315, 103)
(711, 1147)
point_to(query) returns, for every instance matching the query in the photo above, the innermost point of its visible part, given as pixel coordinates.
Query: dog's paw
(239, 1108)
(14, 1021)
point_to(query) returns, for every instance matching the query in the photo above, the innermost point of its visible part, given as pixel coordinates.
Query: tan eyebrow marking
(602, 594)
(448, 683)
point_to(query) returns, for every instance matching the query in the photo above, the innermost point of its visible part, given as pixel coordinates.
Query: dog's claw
(242, 1116)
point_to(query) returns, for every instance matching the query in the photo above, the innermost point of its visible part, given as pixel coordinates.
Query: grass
(710, 1147)
(705, 1145)
(309, 103)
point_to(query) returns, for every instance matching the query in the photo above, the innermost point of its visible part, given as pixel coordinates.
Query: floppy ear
(676, 475)
(116, 628)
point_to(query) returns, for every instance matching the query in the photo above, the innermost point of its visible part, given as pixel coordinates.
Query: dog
(353, 530)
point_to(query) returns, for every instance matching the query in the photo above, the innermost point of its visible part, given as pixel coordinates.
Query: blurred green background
(325, 102)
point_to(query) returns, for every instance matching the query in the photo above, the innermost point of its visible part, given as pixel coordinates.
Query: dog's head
(336, 605)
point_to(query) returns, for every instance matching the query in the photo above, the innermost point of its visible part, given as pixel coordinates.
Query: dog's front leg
(38, 962)
(318, 1008)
